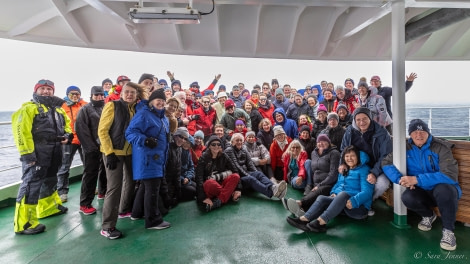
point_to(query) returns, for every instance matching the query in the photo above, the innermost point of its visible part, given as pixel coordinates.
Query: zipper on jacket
(431, 160)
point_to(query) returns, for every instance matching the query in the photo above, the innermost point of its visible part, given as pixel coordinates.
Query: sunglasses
(75, 94)
(295, 147)
(98, 94)
(46, 82)
(215, 145)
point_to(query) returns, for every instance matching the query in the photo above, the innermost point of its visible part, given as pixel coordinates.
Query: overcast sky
(23, 64)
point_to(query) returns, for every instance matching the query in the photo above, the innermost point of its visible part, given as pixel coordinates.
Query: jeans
(258, 182)
(68, 152)
(295, 186)
(308, 170)
(444, 196)
(328, 207)
(312, 196)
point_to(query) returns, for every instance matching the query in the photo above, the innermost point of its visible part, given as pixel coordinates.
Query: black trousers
(146, 202)
(93, 168)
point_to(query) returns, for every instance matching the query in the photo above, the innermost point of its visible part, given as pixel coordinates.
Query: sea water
(443, 122)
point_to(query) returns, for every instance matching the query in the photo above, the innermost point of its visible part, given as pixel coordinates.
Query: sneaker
(316, 227)
(283, 193)
(33, 231)
(87, 210)
(294, 207)
(125, 215)
(371, 212)
(111, 233)
(278, 189)
(135, 218)
(426, 222)
(162, 225)
(297, 223)
(308, 189)
(448, 241)
(63, 197)
(284, 203)
(101, 196)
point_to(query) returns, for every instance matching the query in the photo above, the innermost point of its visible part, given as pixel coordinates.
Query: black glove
(112, 161)
(196, 117)
(150, 142)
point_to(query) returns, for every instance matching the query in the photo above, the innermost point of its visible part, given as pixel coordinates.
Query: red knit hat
(229, 103)
(44, 82)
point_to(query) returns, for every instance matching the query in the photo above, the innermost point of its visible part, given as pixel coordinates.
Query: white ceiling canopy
(290, 29)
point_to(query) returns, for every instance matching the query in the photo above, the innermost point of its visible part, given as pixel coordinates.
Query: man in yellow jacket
(39, 128)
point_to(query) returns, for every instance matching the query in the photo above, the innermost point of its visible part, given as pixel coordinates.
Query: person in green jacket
(39, 129)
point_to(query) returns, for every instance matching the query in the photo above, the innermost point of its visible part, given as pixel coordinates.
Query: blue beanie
(162, 81)
(207, 92)
(199, 134)
(72, 88)
(175, 82)
(222, 87)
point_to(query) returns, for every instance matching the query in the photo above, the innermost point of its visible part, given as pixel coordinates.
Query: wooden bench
(461, 153)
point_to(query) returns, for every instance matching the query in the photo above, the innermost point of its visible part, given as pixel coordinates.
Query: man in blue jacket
(431, 180)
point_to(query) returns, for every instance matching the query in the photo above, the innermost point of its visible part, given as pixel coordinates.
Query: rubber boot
(26, 221)
(51, 205)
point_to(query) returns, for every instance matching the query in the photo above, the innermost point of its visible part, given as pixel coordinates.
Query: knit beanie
(212, 139)
(107, 80)
(182, 132)
(278, 130)
(363, 84)
(44, 83)
(176, 82)
(199, 134)
(417, 124)
(229, 103)
(323, 137)
(239, 122)
(279, 91)
(250, 133)
(322, 107)
(96, 90)
(305, 128)
(341, 106)
(332, 115)
(73, 88)
(146, 76)
(363, 110)
(350, 80)
(159, 93)
(162, 82)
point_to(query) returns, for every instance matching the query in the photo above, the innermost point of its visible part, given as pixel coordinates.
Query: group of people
(150, 146)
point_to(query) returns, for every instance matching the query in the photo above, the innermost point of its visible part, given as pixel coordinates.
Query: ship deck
(253, 230)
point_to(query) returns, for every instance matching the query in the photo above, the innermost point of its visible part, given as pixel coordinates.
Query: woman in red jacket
(280, 143)
(294, 159)
(206, 120)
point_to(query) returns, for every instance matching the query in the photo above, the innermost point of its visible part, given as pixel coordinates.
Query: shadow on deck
(251, 231)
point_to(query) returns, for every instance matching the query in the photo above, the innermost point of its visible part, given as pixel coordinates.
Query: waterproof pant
(221, 191)
(258, 182)
(146, 202)
(120, 192)
(444, 196)
(68, 152)
(92, 170)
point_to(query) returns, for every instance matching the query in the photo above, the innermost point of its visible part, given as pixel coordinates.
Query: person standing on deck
(117, 155)
(73, 104)
(40, 127)
(431, 180)
(86, 126)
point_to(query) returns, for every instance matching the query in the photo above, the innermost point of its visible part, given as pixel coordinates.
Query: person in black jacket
(249, 175)
(216, 181)
(86, 126)
(333, 130)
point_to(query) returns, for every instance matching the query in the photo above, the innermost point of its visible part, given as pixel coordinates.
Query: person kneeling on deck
(250, 177)
(430, 180)
(215, 182)
(39, 128)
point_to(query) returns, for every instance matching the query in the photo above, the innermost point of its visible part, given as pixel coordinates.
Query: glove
(195, 117)
(112, 161)
(150, 142)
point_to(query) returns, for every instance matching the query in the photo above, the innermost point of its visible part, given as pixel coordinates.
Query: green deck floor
(251, 231)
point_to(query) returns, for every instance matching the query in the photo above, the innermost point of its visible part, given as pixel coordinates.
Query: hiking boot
(278, 189)
(162, 225)
(308, 189)
(216, 203)
(294, 207)
(111, 233)
(448, 241)
(63, 197)
(101, 196)
(87, 210)
(316, 227)
(124, 215)
(37, 230)
(297, 223)
(426, 222)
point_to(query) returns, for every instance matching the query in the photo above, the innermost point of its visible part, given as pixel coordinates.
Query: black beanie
(159, 93)
(96, 90)
(417, 124)
(107, 80)
(146, 76)
(212, 139)
(305, 128)
(363, 110)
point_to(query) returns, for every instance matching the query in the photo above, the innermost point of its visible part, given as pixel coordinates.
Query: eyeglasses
(295, 147)
(45, 82)
(265, 88)
(262, 99)
(215, 145)
(205, 102)
(75, 94)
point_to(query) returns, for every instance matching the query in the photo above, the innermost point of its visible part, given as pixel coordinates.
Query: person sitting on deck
(215, 180)
(351, 194)
(250, 177)
(294, 165)
(259, 154)
(431, 180)
(276, 150)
